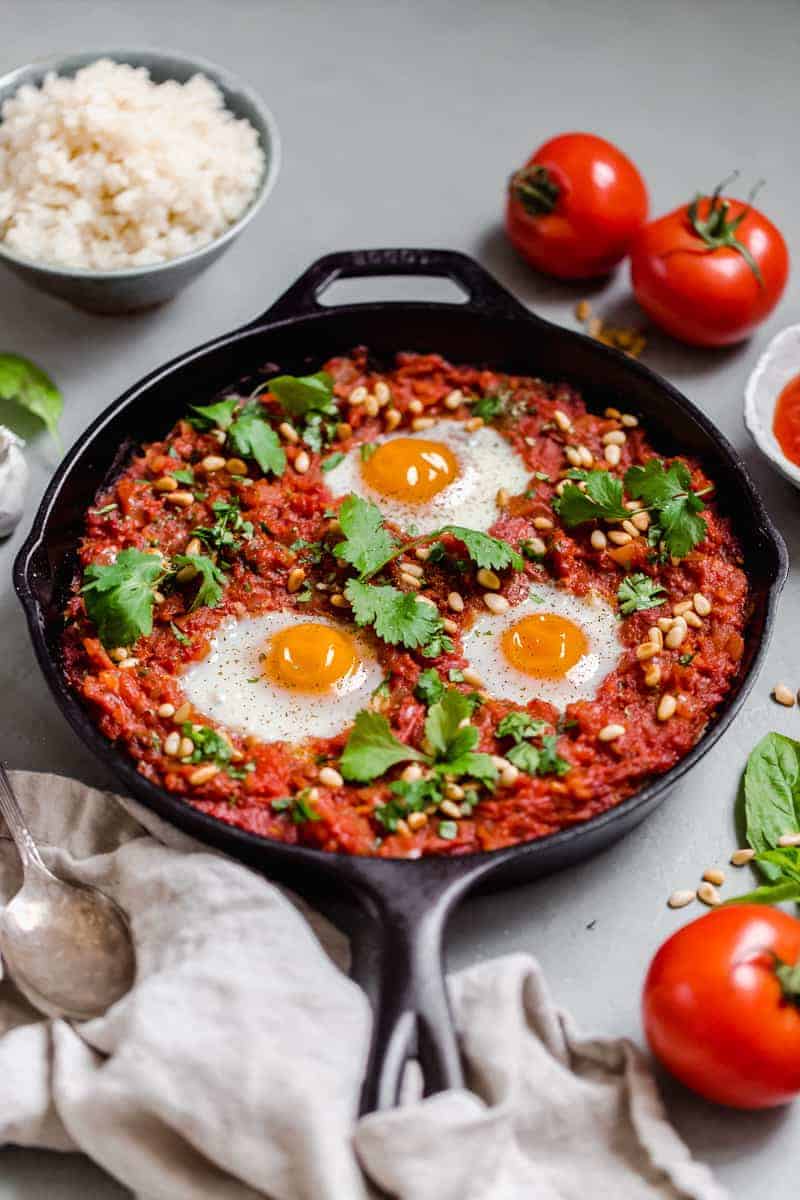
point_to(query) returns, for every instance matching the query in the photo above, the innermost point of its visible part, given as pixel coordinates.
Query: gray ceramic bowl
(133, 288)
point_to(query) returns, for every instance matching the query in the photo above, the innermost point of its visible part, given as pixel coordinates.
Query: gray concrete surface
(400, 124)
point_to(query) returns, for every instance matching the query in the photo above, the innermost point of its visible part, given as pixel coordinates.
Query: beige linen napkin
(232, 1069)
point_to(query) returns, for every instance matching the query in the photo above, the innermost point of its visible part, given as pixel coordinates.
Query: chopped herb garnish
(366, 451)
(333, 461)
(209, 746)
(184, 475)
(101, 512)
(180, 635)
(430, 686)
(448, 830)
(229, 529)
(488, 407)
(639, 592)
(685, 659)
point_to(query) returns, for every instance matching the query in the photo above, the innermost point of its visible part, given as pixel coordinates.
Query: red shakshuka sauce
(133, 512)
(786, 422)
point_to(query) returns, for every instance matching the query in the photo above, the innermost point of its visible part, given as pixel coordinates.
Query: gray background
(400, 124)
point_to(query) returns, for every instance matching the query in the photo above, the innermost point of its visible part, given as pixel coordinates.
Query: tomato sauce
(786, 422)
(124, 702)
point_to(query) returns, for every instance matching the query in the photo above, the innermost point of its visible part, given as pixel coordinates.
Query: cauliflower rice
(108, 169)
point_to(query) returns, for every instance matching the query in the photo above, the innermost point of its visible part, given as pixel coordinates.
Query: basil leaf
(772, 795)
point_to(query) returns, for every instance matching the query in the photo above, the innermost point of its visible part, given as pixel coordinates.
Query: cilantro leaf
(332, 461)
(655, 484)
(448, 830)
(535, 760)
(668, 490)
(27, 386)
(209, 746)
(601, 499)
(367, 545)
(475, 764)
(550, 761)
(210, 416)
(430, 687)
(443, 725)
(525, 756)
(488, 407)
(119, 597)
(253, 436)
(372, 749)
(520, 725)
(212, 580)
(300, 395)
(485, 551)
(440, 643)
(221, 536)
(398, 617)
(681, 528)
(638, 592)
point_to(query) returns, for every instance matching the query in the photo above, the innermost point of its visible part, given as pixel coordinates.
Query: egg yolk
(310, 657)
(410, 469)
(544, 645)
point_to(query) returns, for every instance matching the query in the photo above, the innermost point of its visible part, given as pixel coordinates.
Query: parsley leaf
(485, 551)
(367, 545)
(253, 436)
(372, 749)
(430, 687)
(668, 490)
(210, 416)
(119, 597)
(212, 580)
(638, 592)
(602, 498)
(398, 617)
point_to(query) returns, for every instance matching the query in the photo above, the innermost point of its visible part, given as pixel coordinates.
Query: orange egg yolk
(310, 657)
(410, 469)
(544, 645)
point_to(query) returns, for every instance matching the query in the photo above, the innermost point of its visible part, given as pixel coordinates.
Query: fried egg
(554, 646)
(439, 476)
(284, 676)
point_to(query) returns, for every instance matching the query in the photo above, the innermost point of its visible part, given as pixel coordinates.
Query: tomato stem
(788, 975)
(535, 189)
(716, 230)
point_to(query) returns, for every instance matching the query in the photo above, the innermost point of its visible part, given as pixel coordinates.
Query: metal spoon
(67, 946)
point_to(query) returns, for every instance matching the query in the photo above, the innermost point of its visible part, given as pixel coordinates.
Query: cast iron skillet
(408, 901)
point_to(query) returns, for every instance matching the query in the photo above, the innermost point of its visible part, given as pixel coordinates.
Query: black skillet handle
(484, 293)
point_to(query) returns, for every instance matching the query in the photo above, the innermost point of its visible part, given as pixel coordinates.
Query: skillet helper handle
(484, 293)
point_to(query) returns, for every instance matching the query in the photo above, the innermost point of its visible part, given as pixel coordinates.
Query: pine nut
(417, 820)
(194, 546)
(667, 707)
(691, 618)
(652, 676)
(610, 733)
(301, 463)
(789, 839)
(488, 579)
(613, 414)
(450, 809)
(454, 399)
(181, 499)
(172, 744)
(412, 568)
(572, 456)
(420, 423)
(449, 626)
(410, 580)
(455, 602)
(472, 678)
(358, 395)
(665, 624)
(740, 858)
(183, 713)
(647, 650)
(619, 538)
(186, 747)
(212, 463)
(615, 438)
(118, 654)
(677, 635)
(453, 791)
(203, 774)
(429, 601)
(330, 777)
(709, 895)
(562, 420)
(382, 392)
(702, 605)
(783, 695)
(630, 528)
(681, 607)
(416, 406)
(159, 597)
(343, 430)
(681, 898)
(128, 664)
(629, 420)
(166, 484)
(641, 521)
(509, 774)
(537, 546)
(473, 423)
(371, 406)
(166, 710)
(612, 454)
(585, 455)
(296, 579)
(288, 432)
(714, 875)
(339, 601)
(598, 540)
(392, 418)
(412, 773)
(422, 553)
(218, 435)
(502, 498)
(656, 636)
(496, 604)
(543, 523)
(560, 487)
(236, 466)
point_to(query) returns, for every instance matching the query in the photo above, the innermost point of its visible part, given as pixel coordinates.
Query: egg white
(229, 684)
(486, 461)
(597, 620)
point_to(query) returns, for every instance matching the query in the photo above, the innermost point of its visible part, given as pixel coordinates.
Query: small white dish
(776, 367)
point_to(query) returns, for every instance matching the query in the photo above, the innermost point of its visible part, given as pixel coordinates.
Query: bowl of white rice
(124, 174)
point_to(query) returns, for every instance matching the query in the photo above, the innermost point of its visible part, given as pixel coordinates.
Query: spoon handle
(23, 838)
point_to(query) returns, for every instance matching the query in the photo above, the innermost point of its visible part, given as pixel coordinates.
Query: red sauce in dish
(786, 422)
(124, 702)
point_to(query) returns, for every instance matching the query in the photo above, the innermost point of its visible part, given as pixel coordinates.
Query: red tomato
(721, 1006)
(711, 271)
(575, 207)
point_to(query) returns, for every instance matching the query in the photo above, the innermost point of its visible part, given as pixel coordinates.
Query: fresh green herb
(638, 592)
(488, 407)
(179, 635)
(439, 644)
(455, 675)
(211, 416)
(27, 386)
(209, 746)
(252, 436)
(172, 452)
(453, 743)
(333, 461)
(281, 804)
(601, 499)
(303, 808)
(229, 529)
(541, 475)
(309, 401)
(448, 830)
(367, 545)
(185, 475)
(304, 595)
(366, 451)
(550, 761)
(668, 492)
(240, 772)
(525, 756)
(685, 659)
(535, 596)
(212, 579)
(485, 551)
(119, 597)
(398, 618)
(101, 512)
(311, 551)
(372, 749)
(520, 725)
(772, 808)
(543, 759)
(430, 686)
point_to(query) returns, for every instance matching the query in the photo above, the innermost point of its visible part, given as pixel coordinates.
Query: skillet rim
(255, 848)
